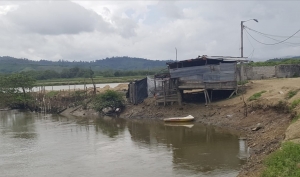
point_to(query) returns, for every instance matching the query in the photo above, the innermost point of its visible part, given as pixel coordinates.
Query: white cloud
(89, 30)
(52, 18)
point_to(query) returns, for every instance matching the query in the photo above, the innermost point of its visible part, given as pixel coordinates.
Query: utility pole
(176, 53)
(242, 40)
(242, 48)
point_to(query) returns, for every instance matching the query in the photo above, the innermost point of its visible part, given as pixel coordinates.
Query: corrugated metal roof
(222, 58)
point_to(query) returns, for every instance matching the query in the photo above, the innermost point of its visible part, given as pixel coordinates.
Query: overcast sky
(90, 30)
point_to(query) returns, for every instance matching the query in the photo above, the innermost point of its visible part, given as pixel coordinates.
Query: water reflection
(110, 126)
(243, 149)
(35, 144)
(200, 148)
(19, 124)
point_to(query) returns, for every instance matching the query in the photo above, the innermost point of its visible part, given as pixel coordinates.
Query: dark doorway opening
(214, 95)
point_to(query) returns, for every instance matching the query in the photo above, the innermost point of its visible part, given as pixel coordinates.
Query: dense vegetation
(76, 72)
(58, 70)
(109, 99)
(14, 90)
(13, 65)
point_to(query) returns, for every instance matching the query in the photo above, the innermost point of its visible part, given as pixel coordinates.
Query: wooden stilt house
(206, 73)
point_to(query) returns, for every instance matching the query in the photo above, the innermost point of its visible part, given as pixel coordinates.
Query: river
(36, 145)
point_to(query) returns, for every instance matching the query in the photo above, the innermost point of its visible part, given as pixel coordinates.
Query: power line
(250, 42)
(269, 43)
(269, 34)
(251, 54)
(265, 35)
(289, 43)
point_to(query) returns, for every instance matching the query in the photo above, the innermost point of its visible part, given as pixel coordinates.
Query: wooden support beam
(179, 97)
(205, 97)
(164, 89)
(235, 91)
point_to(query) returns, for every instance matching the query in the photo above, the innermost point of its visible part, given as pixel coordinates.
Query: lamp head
(255, 20)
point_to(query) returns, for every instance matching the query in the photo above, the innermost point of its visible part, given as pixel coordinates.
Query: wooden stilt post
(164, 89)
(205, 97)
(232, 94)
(179, 97)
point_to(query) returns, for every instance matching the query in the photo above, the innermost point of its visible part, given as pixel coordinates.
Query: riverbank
(262, 142)
(264, 127)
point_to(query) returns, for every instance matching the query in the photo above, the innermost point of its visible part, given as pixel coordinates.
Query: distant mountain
(11, 64)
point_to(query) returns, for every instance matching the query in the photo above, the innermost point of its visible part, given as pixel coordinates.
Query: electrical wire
(251, 54)
(272, 43)
(289, 43)
(267, 36)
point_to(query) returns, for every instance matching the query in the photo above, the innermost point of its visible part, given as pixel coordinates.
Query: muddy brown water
(37, 145)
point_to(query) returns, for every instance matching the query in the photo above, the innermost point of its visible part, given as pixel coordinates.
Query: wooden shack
(205, 73)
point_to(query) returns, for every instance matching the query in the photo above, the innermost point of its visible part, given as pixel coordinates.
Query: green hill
(12, 65)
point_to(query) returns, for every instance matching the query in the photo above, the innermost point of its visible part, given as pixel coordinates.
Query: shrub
(109, 98)
(256, 95)
(283, 162)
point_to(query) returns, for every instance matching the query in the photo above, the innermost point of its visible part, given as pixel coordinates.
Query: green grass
(97, 80)
(291, 93)
(295, 103)
(284, 162)
(255, 96)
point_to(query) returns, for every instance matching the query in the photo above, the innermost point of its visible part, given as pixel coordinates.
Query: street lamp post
(242, 29)
(176, 53)
(242, 48)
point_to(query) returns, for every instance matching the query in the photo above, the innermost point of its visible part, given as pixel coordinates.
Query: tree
(13, 89)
